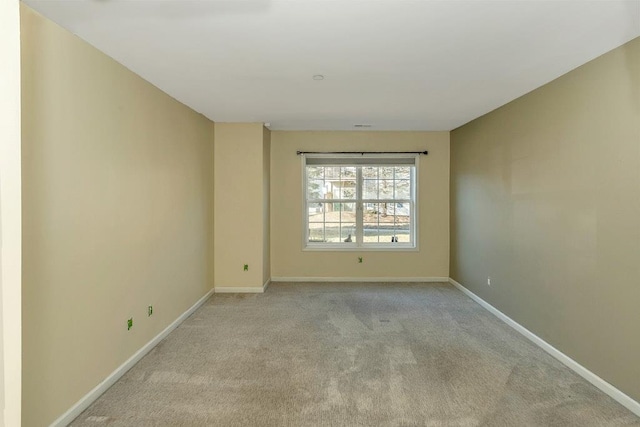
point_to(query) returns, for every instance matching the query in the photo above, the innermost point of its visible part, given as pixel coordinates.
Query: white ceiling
(394, 64)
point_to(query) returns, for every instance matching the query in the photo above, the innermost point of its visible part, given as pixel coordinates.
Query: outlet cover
(360, 260)
(246, 267)
(129, 324)
(150, 310)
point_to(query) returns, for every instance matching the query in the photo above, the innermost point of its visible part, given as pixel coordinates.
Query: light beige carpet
(350, 355)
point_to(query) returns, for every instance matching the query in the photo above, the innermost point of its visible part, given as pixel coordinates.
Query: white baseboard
(90, 397)
(242, 289)
(82, 404)
(361, 279)
(239, 289)
(604, 386)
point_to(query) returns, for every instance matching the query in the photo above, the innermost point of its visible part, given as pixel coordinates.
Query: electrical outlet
(246, 267)
(489, 280)
(150, 310)
(359, 260)
(129, 324)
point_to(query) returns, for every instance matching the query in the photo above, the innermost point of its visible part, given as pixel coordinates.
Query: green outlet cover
(246, 267)
(150, 310)
(129, 324)
(360, 259)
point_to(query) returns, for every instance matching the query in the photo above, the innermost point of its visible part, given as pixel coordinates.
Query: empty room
(320, 213)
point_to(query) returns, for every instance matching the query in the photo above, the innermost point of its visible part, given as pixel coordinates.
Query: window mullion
(359, 207)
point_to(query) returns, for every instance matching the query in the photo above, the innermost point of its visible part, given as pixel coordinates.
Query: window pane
(403, 210)
(315, 189)
(347, 190)
(348, 213)
(403, 233)
(331, 212)
(370, 212)
(370, 233)
(316, 232)
(403, 189)
(332, 232)
(316, 212)
(347, 223)
(370, 190)
(348, 173)
(371, 215)
(332, 187)
(387, 210)
(370, 172)
(387, 222)
(403, 172)
(348, 232)
(386, 189)
(315, 172)
(331, 173)
(386, 215)
(385, 172)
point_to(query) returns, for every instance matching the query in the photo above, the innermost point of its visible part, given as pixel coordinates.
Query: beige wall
(266, 205)
(239, 204)
(287, 257)
(117, 214)
(545, 199)
(10, 214)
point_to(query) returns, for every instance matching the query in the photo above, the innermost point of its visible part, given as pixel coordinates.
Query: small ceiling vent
(361, 126)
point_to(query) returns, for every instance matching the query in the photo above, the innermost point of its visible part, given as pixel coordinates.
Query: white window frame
(358, 245)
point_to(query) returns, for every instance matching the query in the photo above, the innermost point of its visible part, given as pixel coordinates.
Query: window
(360, 202)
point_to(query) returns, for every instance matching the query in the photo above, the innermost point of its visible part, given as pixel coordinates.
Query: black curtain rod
(362, 152)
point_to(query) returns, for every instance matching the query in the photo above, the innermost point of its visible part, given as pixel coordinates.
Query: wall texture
(545, 199)
(10, 215)
(239, 192)
(117, 213)
(287, 257)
